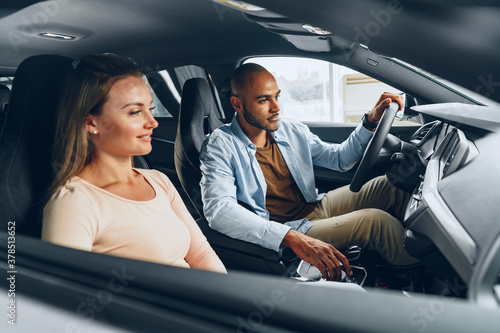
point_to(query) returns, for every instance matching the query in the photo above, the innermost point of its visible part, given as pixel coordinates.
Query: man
(258, 182)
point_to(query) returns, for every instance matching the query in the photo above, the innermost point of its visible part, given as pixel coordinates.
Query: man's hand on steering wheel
(385, 99)
(379, 121)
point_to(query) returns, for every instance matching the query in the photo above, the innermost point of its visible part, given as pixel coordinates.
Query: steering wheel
(372, 150)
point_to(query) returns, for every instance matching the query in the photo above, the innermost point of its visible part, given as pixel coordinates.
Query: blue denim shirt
(231, 174)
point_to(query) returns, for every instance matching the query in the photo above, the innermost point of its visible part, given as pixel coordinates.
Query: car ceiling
(158, 33)
(457, 40)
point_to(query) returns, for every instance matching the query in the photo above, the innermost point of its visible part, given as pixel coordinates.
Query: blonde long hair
(84, 93)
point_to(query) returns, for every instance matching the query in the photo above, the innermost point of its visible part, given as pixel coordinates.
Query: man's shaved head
(240, 76)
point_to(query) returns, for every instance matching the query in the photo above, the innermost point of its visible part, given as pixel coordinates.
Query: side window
(155, 82)
(6, 81)
(315, 90)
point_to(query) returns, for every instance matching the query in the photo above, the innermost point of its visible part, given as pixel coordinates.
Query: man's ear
(237, 103)
(90, 125)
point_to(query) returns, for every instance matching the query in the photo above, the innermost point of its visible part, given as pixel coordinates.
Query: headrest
(198, 113)
(35, 93)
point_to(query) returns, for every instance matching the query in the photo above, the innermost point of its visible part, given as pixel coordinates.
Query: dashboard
(428, 220)
(452, 219)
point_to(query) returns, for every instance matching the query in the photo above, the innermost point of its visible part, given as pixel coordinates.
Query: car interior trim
(486, 278)
(487, 118)
(448, 221)
(163, 140)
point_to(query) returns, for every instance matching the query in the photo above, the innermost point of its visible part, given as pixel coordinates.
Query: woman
(98, 201)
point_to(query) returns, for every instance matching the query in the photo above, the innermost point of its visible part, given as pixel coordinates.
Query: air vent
(423, 131)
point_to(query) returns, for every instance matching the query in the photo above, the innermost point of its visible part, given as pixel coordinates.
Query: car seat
(25, 169)
(197, 120)
(4, 103)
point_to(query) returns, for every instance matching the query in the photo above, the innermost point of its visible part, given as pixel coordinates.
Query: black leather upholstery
(197, 119)
(4, 104)
(25, 168)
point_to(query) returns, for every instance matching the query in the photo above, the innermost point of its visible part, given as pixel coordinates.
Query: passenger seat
(4, 103)
(25, 144)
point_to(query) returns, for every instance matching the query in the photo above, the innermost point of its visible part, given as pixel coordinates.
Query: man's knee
(382, 223)
(377, 216)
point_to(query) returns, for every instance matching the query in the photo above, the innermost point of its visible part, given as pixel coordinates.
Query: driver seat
(197, 120)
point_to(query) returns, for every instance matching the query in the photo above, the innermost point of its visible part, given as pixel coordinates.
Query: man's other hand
(320, 254)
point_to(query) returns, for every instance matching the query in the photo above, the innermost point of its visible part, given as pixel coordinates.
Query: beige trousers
(343, 218)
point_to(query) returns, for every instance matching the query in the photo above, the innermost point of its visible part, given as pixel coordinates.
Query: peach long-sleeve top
(83, 216)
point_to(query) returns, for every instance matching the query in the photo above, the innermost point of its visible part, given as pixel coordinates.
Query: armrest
(240, 255)
(219, 240)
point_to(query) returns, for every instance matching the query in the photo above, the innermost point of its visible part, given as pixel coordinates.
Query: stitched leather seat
(197, 119)
(25, 168)
(4, 103)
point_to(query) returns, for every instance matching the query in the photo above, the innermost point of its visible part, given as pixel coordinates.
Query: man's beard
(254, 122)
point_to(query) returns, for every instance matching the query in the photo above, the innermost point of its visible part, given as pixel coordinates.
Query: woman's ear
(90, 125)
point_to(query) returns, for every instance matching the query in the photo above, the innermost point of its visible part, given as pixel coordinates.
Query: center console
(369, 272)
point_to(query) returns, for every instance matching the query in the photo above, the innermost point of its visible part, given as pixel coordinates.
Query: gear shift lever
(353, 253)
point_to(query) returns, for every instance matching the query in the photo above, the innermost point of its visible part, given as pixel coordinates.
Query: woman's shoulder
(74, 189)
(155, 176)
(74, 192)
(152, 173)
(159, 181)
